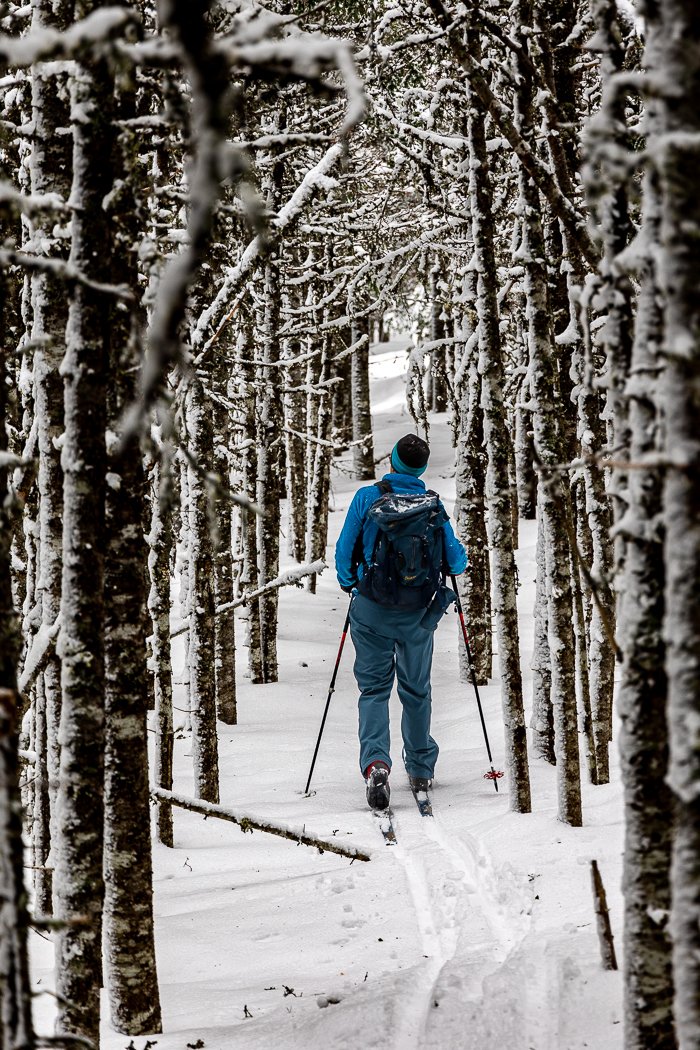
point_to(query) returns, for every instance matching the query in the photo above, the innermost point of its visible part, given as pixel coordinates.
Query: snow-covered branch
(249, 822)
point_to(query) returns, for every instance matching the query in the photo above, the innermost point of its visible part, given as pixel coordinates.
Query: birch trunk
(497, 491)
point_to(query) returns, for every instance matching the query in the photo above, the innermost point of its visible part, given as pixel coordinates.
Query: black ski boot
(378, 790)
(420, 783)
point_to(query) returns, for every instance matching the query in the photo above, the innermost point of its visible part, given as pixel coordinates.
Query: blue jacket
(356, 522)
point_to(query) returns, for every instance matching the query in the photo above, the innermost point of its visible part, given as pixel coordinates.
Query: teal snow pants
(391, 643)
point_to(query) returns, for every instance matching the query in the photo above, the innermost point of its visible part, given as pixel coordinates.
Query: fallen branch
(283, 580)
(605, 937)
(247, 823)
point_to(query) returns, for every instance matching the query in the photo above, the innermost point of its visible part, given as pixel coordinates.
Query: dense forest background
(209, 213)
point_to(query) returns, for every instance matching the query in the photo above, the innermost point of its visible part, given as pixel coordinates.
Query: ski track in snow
(455, 895)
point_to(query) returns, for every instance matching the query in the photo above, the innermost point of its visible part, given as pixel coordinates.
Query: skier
(385, 624)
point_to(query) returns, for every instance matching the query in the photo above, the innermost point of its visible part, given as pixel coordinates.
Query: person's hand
(349, 588)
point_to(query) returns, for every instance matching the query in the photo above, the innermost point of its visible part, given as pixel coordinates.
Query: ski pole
(330, 694)
(494, 774)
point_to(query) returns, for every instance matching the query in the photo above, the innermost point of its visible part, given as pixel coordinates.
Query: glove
(349, 589)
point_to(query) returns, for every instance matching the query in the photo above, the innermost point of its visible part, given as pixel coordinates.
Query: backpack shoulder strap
(384, 487)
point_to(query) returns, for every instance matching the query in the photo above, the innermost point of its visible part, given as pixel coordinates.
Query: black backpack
(408, 561)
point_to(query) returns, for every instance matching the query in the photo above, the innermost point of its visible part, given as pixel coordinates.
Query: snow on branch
(28, 203)
(40, 650)
(315, 178)
(43, 44)
(62, 271)
(248, 822)
(283, 580)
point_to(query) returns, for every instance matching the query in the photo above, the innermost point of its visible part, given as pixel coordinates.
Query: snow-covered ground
(476, 930)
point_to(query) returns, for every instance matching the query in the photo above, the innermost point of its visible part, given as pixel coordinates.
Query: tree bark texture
(497, 490)
(15, 989)
(78, 878)
(201, 598)
(363, 449)
(642, 694)
(676, 152)
(161, 542)
(129, 956)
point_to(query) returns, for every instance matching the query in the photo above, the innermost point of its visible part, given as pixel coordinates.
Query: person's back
(386, 613)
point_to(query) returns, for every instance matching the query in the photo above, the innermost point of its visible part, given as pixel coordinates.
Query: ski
(424, 803)
(385, 819)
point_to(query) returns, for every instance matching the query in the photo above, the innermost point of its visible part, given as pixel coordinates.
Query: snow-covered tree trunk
(497, 487)
(342, 396)
(438, 330)
(295, 420)
(542, 718)
(78, 878)
(319, 488)
(642, 695)
(15, 989)
(249, 535)
(161, 543)
(553, 505)
(201, 597)
(363, 451)
(591, 433)
(50, 171)
(675, 150)
(269, 467)
(129, 947)
(225, 624)
(470, 519)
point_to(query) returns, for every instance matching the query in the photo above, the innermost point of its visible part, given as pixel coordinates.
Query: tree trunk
(161, 543)
(78, 878)
(129, 955)
(363, 451)
(15, 989)
(50, 172)
(642, 695)
(201, 599)
(497, 490)
(553, 505)
(470, 523)
(676, 62)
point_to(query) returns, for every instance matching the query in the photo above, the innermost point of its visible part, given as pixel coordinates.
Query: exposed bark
(542, 719)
